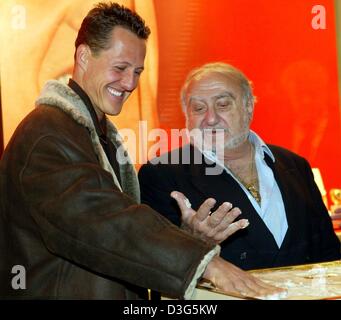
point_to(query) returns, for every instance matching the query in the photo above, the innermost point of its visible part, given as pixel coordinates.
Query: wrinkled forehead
(211, 84)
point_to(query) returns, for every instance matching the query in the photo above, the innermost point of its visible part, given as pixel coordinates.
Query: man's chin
(113, 108)
(236, 142)
(208, 144)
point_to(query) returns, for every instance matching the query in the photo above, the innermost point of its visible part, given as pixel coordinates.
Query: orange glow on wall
(292, 65)
(293, 68)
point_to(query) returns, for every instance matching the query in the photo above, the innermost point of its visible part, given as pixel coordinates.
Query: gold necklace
(253, 186)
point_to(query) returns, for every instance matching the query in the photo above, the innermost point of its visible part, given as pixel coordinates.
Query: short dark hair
(97, 26)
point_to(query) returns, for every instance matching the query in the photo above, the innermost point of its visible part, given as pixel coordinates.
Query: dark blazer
(310, 237)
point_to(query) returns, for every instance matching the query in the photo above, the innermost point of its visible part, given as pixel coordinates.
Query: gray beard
(235, 142)
(216, 148)
(232, 143)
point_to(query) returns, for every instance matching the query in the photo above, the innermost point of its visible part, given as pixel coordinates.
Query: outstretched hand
(233, 280)
(212, 227)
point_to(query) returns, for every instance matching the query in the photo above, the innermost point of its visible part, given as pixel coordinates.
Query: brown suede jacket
(67, 221)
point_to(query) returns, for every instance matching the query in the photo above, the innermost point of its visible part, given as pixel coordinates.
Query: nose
(129, 81)
(211, 117)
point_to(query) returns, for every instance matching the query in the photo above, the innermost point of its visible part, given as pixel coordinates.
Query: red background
(293, 68)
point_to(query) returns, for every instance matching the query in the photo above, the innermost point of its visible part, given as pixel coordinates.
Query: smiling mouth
(114, 92)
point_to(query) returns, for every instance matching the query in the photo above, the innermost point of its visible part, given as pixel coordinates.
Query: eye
(138, 72)
(198, 109)
(120, 68)
(223, 105)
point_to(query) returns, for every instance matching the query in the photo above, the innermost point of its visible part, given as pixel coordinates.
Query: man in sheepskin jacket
(71, 226)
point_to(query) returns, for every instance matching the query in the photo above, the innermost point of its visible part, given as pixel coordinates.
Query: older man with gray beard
(227, 162)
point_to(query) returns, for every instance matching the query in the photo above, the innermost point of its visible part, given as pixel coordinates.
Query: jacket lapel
(286, 178)
(223, 187)
(62, 96)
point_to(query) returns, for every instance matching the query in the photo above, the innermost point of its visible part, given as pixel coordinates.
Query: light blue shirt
(271, 210)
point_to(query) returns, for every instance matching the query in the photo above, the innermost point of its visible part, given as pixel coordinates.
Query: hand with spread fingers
(230, 279)
(213, 227)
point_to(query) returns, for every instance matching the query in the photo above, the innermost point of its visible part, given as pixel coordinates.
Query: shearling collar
(58, 94)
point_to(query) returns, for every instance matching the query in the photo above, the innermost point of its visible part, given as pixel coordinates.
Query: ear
(82, 56)
(250, 107)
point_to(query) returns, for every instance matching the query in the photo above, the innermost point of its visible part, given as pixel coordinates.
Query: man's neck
(79, 80)
(100, 123)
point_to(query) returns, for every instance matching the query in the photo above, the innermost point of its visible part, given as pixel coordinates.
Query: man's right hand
(230, 279)
(211, 227)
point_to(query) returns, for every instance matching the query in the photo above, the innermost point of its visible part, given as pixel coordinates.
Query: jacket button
(243, 255)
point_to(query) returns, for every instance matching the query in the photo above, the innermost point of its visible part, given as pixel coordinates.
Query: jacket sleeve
(84, 218)
(156, 184)
(325, 244)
